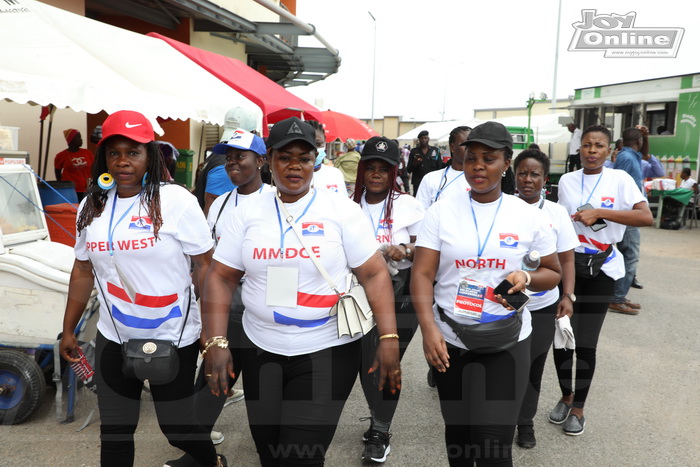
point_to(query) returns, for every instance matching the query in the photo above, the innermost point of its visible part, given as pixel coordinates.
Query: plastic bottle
(531, 261)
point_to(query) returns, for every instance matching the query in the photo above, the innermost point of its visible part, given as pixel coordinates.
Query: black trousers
(294, 403)
(540, 342)
(383, 404)
(480, 398)
(119, 399)
(592, 299)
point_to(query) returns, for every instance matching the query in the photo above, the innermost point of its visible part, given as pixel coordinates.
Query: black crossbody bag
(588, 265)
(491, 337)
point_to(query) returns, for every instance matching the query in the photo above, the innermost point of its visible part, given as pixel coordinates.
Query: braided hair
(394, 189)
(150, 193)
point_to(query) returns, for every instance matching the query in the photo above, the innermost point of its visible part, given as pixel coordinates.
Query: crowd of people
(249, 283)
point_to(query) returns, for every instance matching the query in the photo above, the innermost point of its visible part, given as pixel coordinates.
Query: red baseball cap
(128, 123)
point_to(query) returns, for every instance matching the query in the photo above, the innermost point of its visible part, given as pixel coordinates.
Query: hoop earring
(106, 181)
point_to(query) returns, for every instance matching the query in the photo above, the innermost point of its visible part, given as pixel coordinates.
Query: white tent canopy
(546, 128)
(51, 56)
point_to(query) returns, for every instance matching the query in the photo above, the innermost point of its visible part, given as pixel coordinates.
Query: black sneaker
(526, 437)
(376, 446)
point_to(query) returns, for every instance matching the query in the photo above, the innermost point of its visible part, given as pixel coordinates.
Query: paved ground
(642, 410)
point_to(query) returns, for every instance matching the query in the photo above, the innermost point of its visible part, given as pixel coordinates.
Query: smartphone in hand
(517, 300)
(597, 225)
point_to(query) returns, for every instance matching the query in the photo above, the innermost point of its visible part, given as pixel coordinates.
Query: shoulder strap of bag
(289, 218)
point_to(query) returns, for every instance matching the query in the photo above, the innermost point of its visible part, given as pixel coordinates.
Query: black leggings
(540, 342)
(480, 397)
(294, 403)
(119, 399)
(382, 404)
(592, 299)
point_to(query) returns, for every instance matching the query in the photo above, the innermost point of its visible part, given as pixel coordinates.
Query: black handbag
(484, 338)
(588, 265)
(153, 359)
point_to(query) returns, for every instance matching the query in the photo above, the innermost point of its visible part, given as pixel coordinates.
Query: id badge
(469, 302)
(471, 292)
(282, 286)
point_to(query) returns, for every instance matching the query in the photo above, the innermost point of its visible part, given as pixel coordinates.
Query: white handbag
(353, 311)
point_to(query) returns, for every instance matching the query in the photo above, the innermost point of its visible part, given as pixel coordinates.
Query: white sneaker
(217, 437)
(235, 396)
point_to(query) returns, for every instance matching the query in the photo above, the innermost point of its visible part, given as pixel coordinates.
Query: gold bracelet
(389, 336)
(211, 339)
(218, 341)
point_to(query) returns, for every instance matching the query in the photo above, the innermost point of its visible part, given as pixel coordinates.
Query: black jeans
(294, 403)
(592, 299)
(382, 404)
(119, 399)
(480, 397)
(540, 342)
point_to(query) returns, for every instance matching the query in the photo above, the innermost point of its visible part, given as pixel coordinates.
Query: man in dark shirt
(423, 159)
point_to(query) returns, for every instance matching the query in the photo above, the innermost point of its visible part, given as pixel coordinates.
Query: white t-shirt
(235, 199)
(688, 184)
(157, 270)
(330, 178)
(611, 189)
(336, 231)
(567, 239)
(449, 227)
(439, 184)
(575, 143)
(406, 214)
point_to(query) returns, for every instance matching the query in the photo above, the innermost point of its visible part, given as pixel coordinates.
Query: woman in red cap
(75, 163)
(136, 237)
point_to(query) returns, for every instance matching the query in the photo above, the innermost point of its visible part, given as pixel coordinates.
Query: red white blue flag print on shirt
(153, 305)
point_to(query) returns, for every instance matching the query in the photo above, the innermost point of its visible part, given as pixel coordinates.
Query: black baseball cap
(492, 134)
(379, 147)
(288, 130)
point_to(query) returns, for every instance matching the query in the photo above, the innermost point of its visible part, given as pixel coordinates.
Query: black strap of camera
(109, 309)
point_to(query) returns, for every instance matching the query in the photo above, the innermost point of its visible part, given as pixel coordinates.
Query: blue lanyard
(235, 205)
(480, 245)
(593, 190)
(110, 232)
(444, 186)
(279, 219)
(379, 221)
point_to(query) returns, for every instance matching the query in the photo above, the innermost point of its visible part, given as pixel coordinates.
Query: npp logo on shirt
(312, 229)
(508, 240)
(141, 223)
(607, 202)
